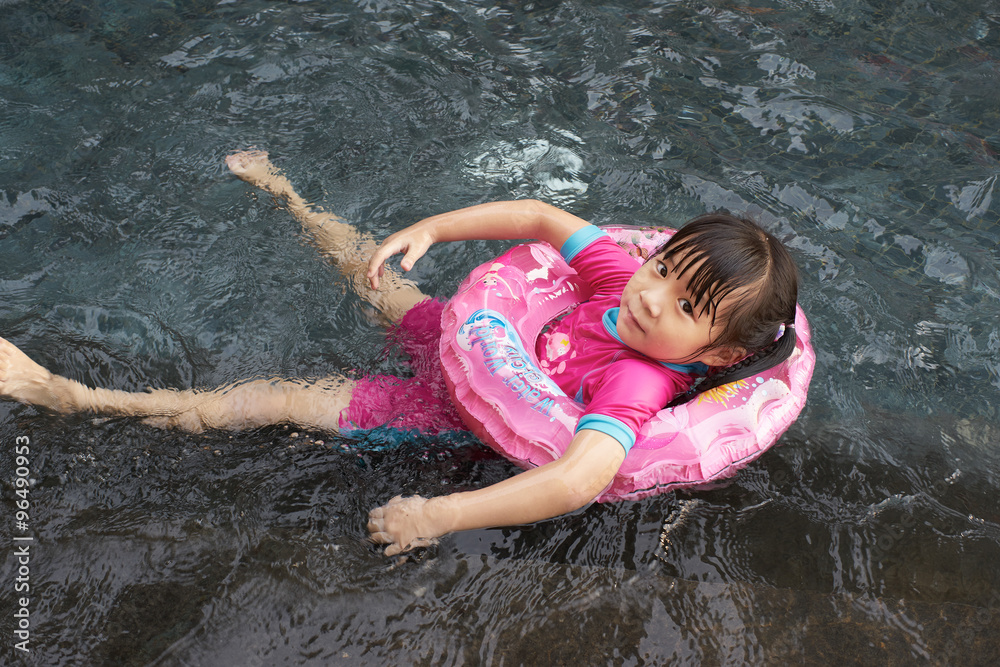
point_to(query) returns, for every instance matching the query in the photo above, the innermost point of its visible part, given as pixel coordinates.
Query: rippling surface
(864, 133)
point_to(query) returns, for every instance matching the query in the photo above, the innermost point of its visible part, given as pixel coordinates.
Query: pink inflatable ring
(489, 330)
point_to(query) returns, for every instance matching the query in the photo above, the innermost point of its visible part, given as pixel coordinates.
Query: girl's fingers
(376, 265)
(399, 536)
(413, 250)
(395, 549)
(412, 255)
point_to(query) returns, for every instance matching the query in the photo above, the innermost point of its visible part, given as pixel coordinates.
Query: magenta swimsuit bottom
(418, 403)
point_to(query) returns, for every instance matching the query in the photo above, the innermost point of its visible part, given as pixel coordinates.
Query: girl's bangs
(713, 272)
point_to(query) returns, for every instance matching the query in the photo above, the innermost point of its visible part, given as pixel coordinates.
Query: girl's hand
(414, 241)
(403, 524)
(521, 219)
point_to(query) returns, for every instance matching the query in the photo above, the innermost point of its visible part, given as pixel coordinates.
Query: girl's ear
(723, 356)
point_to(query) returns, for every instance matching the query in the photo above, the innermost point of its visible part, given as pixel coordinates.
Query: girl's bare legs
(337, 240)
(233, 407)
(239, 405)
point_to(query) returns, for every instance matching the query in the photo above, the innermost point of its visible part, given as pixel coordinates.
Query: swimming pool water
(865, 134)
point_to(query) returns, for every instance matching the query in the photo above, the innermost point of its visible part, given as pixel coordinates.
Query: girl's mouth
(631, 319)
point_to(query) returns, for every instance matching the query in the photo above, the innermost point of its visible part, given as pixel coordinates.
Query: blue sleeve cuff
(608, 426)
(580, 239)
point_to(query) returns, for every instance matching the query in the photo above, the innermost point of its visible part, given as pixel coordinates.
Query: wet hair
(725, 255)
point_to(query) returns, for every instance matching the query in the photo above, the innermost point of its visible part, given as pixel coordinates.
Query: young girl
(714, 297)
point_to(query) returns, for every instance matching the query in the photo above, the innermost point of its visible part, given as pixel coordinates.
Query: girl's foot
(21, 379)
(255, 168)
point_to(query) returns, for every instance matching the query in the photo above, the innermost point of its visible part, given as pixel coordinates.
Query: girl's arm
(520, 219)
(567, 484)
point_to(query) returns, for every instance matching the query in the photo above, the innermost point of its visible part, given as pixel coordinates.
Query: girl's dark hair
(725, 254)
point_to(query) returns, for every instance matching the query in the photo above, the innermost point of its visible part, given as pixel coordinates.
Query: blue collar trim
(610, 321)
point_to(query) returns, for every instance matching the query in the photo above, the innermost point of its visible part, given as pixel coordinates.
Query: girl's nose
(651, 303)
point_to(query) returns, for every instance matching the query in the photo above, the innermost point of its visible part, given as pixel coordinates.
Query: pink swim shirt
(620, 387)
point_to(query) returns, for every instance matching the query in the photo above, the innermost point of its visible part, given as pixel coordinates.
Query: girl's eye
(662, 269)
(687, 307)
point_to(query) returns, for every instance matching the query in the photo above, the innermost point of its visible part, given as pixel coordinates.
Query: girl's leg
(234, 407)
(240, 405)
(336, 239)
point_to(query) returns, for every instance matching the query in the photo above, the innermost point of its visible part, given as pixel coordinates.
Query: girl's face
(658, 318)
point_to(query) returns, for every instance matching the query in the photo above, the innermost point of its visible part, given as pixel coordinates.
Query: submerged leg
(233, 407)
(337, 240)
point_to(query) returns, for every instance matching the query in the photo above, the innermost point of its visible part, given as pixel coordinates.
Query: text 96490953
(22, 543)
